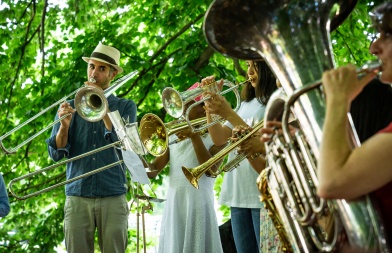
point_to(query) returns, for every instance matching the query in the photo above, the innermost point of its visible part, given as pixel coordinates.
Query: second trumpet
(193, 174)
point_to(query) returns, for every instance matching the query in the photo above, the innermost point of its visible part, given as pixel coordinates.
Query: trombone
(193, 174)
(174, 102)
(127, 136)
(90, 103)
(13, 181)
(153, 138)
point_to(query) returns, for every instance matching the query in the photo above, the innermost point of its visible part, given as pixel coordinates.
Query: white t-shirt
(239, 188)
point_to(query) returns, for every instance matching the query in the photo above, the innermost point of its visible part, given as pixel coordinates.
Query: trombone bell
(91, 103)
(153, 134)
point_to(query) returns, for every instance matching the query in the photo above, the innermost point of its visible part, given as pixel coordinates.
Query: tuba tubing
(273, 30)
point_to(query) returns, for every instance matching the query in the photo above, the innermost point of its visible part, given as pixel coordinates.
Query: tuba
(293, 37)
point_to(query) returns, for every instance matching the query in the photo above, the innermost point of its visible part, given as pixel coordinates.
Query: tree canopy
(41, 49)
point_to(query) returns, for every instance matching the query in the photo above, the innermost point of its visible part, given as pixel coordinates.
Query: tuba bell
(293, 37)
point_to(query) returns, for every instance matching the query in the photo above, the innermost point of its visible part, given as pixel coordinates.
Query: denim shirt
(84, 136)
(4, 201)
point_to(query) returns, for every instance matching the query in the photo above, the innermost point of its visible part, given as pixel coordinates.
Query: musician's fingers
(266, 131)
(274, 124)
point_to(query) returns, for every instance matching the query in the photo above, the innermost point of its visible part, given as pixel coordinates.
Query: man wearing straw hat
(96, 202)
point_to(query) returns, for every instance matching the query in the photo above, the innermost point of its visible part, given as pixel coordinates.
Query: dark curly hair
(266, 84)
(382, 17)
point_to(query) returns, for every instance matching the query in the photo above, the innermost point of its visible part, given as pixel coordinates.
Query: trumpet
(154, 134)
(174, 102)
(193, 174)
(90, 103)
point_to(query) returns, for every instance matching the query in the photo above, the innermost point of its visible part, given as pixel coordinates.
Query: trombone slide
(13, 181)
(89, 111)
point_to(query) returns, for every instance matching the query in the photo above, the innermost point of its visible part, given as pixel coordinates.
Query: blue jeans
(245, 223)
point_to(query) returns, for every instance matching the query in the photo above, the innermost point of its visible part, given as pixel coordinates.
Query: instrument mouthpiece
(370, 66)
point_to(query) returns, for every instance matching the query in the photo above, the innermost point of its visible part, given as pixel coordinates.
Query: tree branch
(151, 83)
(204, 58)
(23, 49)
(238, 68)
(175, 36)
(144, 71)
(42, 44)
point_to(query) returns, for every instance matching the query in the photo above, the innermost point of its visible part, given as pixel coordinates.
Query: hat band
(103, 57)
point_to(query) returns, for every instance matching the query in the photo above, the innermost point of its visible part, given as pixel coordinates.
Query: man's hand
(65, 108)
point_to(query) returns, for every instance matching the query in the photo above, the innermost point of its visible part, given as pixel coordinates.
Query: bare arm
(252, 146)
(219, 132)
(158, 164)
(107, 121)
(344, 172)
(219, 106)
(255, 150)
(258, 163)
(203, 155)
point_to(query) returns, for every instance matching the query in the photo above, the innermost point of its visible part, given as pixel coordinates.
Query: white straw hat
(106, 54)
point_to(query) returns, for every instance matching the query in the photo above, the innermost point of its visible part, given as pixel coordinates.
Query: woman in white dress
(189, 221)
(239, 189)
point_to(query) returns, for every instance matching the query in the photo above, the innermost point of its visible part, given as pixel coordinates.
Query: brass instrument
(90, 103)
(174, 102)
(13, 181)
(193, 174)
(129, 140)
(266, 198)
(154, 134)
(293, 38)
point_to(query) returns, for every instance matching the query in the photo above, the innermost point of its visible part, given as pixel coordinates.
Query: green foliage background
(41, 45)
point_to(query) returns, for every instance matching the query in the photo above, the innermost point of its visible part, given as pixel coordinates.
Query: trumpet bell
(91, 103)
(172, 102)
(193, 175)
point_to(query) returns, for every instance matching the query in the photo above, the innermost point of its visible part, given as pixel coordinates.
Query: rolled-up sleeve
(56, 153)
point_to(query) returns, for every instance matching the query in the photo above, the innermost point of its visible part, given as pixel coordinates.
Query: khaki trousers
(108, 215)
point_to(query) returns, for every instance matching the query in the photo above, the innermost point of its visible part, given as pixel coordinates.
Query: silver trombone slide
(13, 181)
(117, 84)
(13, 150)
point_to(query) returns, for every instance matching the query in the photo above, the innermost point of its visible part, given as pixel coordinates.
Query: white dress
(189, 223)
